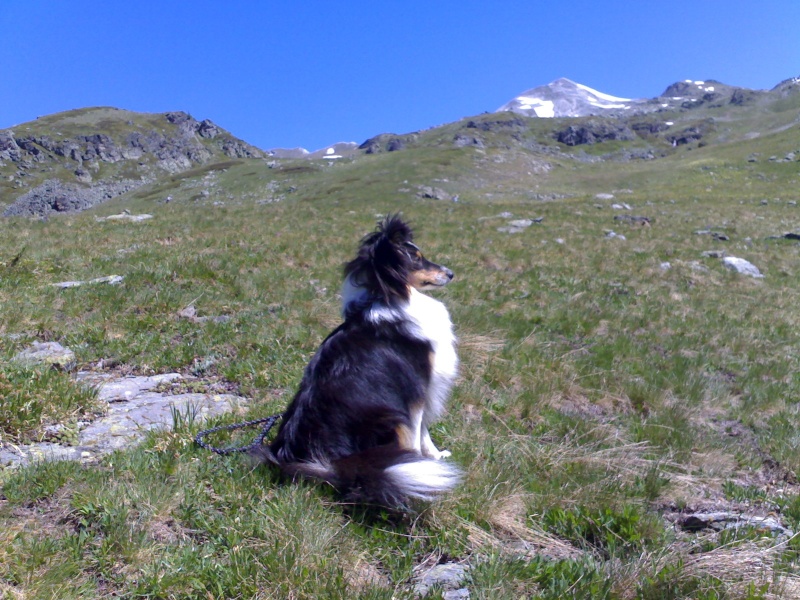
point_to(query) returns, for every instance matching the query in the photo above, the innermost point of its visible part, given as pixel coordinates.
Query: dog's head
(389, 264)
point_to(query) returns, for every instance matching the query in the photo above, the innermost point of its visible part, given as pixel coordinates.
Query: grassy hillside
(603, 395)
(94, 147)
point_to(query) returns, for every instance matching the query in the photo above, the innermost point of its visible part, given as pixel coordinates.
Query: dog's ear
(389, 264)
(382, 262)
(396, 230)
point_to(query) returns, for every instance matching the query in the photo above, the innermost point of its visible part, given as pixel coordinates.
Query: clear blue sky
(309, 73)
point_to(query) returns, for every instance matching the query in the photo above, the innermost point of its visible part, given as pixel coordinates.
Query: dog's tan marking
(405, 437)
(425, 277)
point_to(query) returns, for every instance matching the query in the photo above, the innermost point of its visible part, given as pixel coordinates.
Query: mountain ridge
(76, 159)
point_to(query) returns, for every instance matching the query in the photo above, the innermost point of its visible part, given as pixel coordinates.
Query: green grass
(32, 398)
(594, 389)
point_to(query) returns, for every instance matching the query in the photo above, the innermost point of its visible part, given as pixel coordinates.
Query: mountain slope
(74, 159)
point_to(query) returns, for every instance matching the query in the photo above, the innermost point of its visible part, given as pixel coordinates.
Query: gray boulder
(434, 193)
(740, 265)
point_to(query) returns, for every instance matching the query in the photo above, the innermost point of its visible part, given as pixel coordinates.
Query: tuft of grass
(33, 398)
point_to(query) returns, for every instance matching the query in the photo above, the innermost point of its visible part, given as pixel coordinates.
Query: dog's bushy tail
(384, 476)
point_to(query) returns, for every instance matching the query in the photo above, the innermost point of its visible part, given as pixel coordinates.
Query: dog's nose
(448, 272)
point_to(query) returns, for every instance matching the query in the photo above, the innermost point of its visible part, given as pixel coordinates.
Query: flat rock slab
(133, 410)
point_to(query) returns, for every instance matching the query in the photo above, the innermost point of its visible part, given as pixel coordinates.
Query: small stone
(742, 266)
(47, 353)
(448, 576)
(634, 220)
(110, 280)
(190, 312)
(434, 193)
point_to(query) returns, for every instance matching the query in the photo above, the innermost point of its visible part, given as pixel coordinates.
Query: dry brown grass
(744, 564)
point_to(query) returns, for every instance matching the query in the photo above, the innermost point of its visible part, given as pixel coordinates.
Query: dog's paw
(442, 454)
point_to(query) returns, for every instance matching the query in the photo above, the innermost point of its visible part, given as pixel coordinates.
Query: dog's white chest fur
(433, 324)
(428, 320)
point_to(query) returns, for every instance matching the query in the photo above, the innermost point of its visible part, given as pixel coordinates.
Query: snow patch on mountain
(701, 85)
(542, 108)
(565, 98)
(600, 96)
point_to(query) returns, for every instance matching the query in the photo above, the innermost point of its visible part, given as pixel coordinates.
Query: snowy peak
(565, 98)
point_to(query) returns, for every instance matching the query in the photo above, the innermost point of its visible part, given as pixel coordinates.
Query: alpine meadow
(626, 411)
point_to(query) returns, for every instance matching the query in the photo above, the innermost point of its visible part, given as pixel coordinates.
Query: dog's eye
(413, 251)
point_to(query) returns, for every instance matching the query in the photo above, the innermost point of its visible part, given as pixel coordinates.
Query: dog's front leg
(427, 446)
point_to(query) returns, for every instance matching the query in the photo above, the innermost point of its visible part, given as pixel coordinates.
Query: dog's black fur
(359, 419)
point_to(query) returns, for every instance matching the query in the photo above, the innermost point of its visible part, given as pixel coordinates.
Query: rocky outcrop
(593, 132)
(9, 149)
(462, 141)
(386, 142)
(132, 146)
(502, 123)
(690, 134)
(54, 196)
(741, 96)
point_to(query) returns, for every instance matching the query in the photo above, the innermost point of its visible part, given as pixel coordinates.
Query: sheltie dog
(360, 418)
